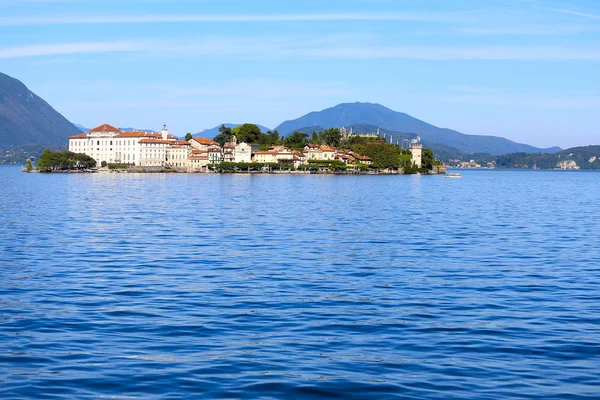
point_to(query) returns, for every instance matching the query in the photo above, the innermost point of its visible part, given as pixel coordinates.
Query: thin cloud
(571, 12)
(530, 30)
(70, 48)
(321, 17)
(334, 47)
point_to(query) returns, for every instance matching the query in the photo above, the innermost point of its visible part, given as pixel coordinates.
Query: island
(243, 149)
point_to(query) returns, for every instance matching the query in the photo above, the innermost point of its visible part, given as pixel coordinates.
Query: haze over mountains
(28, 122)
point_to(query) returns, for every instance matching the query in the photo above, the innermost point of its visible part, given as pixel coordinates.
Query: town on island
(243, 149)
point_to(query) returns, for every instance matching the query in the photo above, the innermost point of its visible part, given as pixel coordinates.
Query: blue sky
(528, 70)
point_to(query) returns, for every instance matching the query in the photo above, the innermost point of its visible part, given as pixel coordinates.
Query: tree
(274, 137)
(427, 159)
(103, 163)
(296, 140)
(224, 136)
(28, 165)
(51, 161)
(188, 136)
(315, 138)
(332, 137)
(384, 155)
(249, 133)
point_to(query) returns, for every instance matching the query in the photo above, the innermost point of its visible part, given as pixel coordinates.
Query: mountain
(27, 121)
(587, 158)
(377, 115)
(81, 127)
(211, 133)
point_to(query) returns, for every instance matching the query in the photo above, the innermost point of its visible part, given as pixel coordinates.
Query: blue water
(220, 286)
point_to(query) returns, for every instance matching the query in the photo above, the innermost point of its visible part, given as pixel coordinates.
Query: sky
(527, 70)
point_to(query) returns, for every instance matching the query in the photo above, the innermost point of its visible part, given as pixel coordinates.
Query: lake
(310, 286)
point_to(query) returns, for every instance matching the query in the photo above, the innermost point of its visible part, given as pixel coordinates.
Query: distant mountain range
(27, 121)
(211, 133)
(28, 125)
(349, 114)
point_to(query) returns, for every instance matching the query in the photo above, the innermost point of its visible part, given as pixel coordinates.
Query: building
(201, 143)
(416, 149)
(243, 153)
(318, 152)
(106, 143)
(265, 157)
(237, 152)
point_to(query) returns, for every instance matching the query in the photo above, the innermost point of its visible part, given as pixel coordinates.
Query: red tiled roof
(183, 143)
(80, 136)
(104, 128)
(204, 141)
(155, 141)
(134, 134)
(197, 157)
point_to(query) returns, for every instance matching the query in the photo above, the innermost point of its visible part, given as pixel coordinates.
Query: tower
(416, 149)
(165, 132)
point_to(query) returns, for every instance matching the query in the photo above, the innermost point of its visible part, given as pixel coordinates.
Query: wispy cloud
(313, 17)
(529, 30)
(69, 48)
(577, 13)
(342, 47)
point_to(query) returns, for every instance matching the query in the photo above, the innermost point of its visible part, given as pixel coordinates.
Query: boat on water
(454, 175)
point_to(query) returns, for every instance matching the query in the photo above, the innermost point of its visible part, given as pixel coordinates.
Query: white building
(237, 152)
(416, 150)
(109, 144)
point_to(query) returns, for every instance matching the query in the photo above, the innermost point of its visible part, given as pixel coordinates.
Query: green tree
(296, 140)
(52, 161)
(224, 135)
(315, 138)
(188, 136)
(427, 159)
(332, 137)
(274, 137)
(249, 133)
(383, 155)
(28, 165)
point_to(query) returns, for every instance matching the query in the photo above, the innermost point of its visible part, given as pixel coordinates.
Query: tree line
(64, 160)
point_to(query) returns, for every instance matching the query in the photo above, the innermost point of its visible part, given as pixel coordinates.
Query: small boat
(454, 175)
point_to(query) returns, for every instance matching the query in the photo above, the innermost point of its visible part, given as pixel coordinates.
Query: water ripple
(210, 286)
